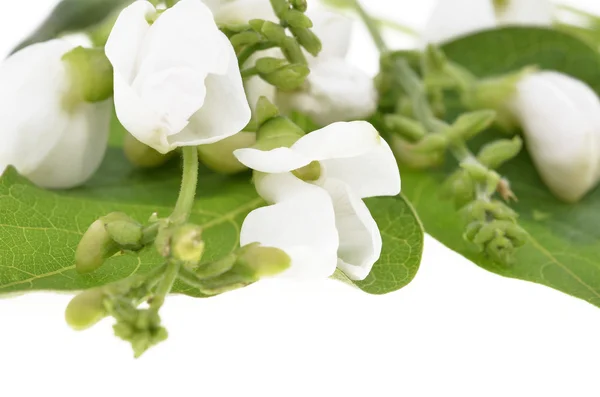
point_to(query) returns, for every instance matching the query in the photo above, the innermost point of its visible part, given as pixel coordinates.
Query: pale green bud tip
(95, 247)
(92, 74)
(277, 132)
(123, 230)
(86, 309)
(309, 173)
(265, 111)
(187, 245)
(143, 156)
(219, 156)
(264, 261)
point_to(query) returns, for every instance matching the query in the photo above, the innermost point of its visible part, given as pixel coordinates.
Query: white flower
(560, 117)
(453, 18)
(335, 89)
(177, 82)
(54, 139)
(352, 162)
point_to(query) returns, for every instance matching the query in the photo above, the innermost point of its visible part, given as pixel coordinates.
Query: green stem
(189, 182)
(165, 286)
(247, 52)
(372, 25)
(247, 73)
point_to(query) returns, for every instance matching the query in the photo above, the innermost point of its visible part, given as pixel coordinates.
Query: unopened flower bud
(272, 31)
(292, 51)
(435, 142)
(186, 244)
(300, 5)
(406, 127)
(308, 39)
(123, 230)
(265, 111)
(95, 247)
(263, 261)
(245, 38)
(86, 309)
(297, 19)
(287, 78)
(477, 171)
(142, 155)
(405, 154)
(277, 132)
(219, 156)
(470, 124)
(92, 73)
(494, 154)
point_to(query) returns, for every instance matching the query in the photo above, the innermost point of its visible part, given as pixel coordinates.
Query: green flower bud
(273, 32)
(297, 19)
(307, 39)
(472, 230)
(143, 156)
(460, 187)
(219, 156)
(300, 5)
(434, 142)
(309, 173)
(86, 309)
(517, 234)
(95, 247)
(487, 232)
(280, 7)
(470, 124)
(277, 132)
(215, 269)
(186, 245)
(292, 51)
(501, 250)
(497, 153)
(268, 65)
(245, 38)
(92, 74)
(405, 154)
(143, 331)
(477, 171)
(123, 230)
(265, 111)
(263, 261)
(288, 78)
(406, 127)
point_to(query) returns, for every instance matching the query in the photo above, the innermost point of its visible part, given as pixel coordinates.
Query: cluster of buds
(286, 74)
(421, 139)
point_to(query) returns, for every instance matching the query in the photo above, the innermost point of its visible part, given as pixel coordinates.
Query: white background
(455, 331)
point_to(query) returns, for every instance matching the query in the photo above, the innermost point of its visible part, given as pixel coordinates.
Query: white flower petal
(360, 239)
(334, 30)
(225, 112)
(301, 223)
(336, 91)
(372, 174)
(452, 18)
(126, 38)
(338, 140)
(562, 133)
(77, 156)
(526, 12)
(241, 11)
(272, 161)
(33, 83)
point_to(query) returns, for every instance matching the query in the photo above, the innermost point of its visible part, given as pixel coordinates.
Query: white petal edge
(373, 174)
(241, 11)
(526, 12)
(33, 83)
(453, 18)
(560, 137)
(360, 239)
(301, 223)
(278, 160)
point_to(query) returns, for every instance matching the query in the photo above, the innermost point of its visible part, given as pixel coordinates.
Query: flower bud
(123, 230)
(468, 125)
(287, 78)
(263, 261)
(494, 154)
(265, 111)
(91, 72)
(292, 51)
(405, 127)
(277, 132)
(142, 155)
(300, 5)
(219, 156)
(308, 39)
(272, 31)
(86, 309)
(245, 38)
(182, 243)
(405, 154)
(297, 19)
(434, 142)
(95, 247)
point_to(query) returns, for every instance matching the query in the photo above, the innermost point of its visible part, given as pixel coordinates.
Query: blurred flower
(452, 18)
(177, 82)
(49, 133)
(335, 90)
(560, 117)
(348, 162)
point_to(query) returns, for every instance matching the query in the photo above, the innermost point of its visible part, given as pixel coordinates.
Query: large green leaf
(564, 248)
(39, 229)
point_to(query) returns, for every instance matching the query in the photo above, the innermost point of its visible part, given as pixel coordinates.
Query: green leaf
(39, 229)
(72, 16)
(402, 235)
(564, 248)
